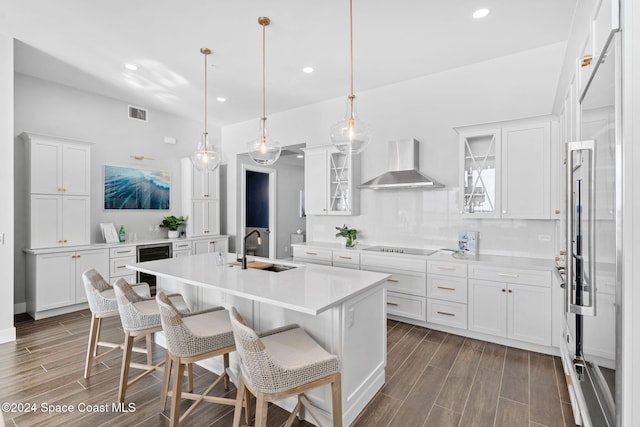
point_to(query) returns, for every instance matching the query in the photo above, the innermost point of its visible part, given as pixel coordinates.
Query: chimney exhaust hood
(403, 170)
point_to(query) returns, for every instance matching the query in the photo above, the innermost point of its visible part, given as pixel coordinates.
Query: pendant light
(351, 135)
(205, 158)
(264, 150)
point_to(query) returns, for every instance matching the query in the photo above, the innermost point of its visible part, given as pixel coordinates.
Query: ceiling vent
(138, 113)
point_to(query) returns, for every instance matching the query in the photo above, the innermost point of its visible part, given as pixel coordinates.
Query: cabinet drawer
(345, 265)
(414, 284)
(408, 306)
(447, 313)
(381, 262)
(346, 257)
(511, 275)
(117, 266)
(122, 251)
(312, 254)
(447, 288)
(457, 269)
(182, 246)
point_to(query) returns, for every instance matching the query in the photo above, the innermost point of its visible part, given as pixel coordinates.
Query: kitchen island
(343, 310)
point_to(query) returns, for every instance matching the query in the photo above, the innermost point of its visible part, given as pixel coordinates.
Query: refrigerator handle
(588, 308)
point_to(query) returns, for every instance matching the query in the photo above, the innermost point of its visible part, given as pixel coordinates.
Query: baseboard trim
(19, 308)
(8, 335)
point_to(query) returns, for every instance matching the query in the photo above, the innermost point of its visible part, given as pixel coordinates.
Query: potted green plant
(172, 224)
(351, 234)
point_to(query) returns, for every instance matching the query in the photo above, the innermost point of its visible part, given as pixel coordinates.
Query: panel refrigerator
(591, 339)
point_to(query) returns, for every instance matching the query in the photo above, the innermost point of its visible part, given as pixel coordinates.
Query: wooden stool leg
(248, 413)
(149, 350)
(98, 329)
(239, 396)
(190, 376)
(124, 371)
(261, 410)
(93, 338)
(165, 383)
(178, 373)
(225, 358)
(336, 400)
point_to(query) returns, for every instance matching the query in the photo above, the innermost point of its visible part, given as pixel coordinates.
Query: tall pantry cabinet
(59, 186)
(200, 200)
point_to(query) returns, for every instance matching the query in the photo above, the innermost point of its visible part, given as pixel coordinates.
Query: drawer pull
(445, 313)
(446, 268)
(311, 253)
(121, 266)
(344, 257)
(392, 304)
(393, 280)
(446, 289)
(507, 275)
(124, 252)
(183, 246)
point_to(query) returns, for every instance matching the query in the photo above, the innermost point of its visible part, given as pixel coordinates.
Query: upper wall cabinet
(506, 171)
(331, 180)
(58, 166)
(200, 200)
(59, 186)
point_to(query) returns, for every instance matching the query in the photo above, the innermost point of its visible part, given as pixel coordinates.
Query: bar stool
(140, 316)
(192, 337)
(281, 363)
(103, 304)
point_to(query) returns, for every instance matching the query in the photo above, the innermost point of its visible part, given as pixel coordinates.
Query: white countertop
(38, 251)
(443, 255)
(309, 289)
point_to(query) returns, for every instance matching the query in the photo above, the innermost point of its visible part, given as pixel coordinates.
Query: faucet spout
(244, 247)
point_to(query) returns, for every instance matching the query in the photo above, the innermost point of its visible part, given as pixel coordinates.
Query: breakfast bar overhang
(344, 310)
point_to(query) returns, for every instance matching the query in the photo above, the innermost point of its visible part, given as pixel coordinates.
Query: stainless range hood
(403, 171)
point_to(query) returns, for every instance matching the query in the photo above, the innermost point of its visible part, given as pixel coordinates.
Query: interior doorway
(259, 210)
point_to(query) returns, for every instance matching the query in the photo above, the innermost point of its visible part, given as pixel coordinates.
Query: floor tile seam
(443, 383)
(473, 381)
(504, 364)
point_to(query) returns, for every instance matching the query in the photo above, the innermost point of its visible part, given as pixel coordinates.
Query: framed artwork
(132, 188)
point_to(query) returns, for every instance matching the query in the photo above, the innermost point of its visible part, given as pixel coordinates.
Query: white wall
(7, 330)
(511, 87)
(52, 109)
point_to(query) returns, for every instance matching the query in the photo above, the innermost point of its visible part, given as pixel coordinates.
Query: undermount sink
(278, 268)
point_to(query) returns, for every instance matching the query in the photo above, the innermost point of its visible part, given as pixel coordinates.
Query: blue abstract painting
(130, 188)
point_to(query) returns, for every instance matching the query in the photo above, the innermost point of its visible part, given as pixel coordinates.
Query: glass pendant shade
(351, 135)
(205, 158)
(264, 150)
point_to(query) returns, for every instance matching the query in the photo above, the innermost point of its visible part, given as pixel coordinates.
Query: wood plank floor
(432, 379)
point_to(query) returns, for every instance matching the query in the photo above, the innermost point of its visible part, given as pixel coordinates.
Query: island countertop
(309, 289)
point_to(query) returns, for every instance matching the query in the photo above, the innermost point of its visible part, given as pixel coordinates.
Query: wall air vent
(138, 113)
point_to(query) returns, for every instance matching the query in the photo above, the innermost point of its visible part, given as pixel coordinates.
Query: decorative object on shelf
(109, 233)
(351, 234)
(172, 224)
(139, 157)
(205, 158)
(351, 135)
(132, 188)
(264, 150)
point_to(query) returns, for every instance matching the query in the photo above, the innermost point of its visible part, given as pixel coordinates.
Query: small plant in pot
(351, 234)
(172, 224)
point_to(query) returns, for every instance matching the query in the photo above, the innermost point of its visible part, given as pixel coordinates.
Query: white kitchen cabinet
(200, 200)
(313, 255)
(119, 257)
(512, 310)
(346, 259)
(59, 184)
(183, 248)
(447, 293)
(505, 170)
(212, 245)
(331, 180)
(54, 280)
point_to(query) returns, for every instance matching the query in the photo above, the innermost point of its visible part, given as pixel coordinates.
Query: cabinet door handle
(59, 188)
(206, 231)
(311, 253)
(64, 241)
(393, 280)
(77, 256)
(64, 189)
(510, 291)
(392, 304)
(446, 288)
(503, 290)
(183, 246)
(212, 243)
(445, 313)
(446, 268)
(123, 252)
(73, 256)
(59, 241)
(507, 275)
(205, 195)
(344, 257)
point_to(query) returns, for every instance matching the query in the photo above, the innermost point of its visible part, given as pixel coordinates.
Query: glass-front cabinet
(331, 180)
(480, 180)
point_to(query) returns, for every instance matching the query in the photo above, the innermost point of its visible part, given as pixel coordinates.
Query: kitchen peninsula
(344, 310)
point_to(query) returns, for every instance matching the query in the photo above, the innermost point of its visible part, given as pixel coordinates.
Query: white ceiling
(85, 44)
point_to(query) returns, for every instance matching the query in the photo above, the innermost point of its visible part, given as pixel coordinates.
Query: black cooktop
(397, 250)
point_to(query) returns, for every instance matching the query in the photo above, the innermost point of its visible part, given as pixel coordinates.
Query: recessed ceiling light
(480, 13)
(300, 156)
(307, 70)
(221, 99)
(132, 67)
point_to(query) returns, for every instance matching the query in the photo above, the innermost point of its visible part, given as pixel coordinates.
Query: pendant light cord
(264, 96)
(352, 96)
(206, 91)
